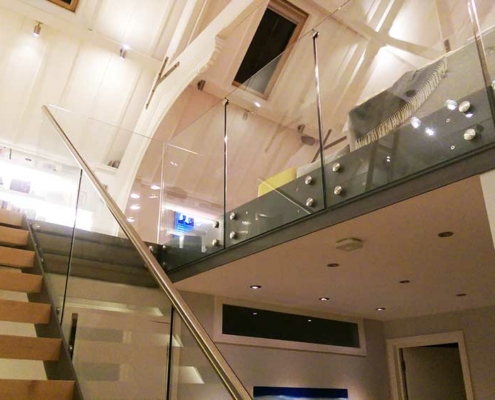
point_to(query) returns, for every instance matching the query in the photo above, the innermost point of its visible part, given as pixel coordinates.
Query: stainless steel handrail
(223, 369)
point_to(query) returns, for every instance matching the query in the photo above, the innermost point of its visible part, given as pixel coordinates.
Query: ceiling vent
(349, 244)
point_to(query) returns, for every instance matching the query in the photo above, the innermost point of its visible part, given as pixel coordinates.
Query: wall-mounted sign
(70, 5)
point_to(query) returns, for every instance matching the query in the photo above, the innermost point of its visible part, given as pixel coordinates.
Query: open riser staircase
(34, 363)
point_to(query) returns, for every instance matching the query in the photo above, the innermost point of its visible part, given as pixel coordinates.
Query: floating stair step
(29, 348)
(16, 258)
(13, 236)
(20, 311)
(20, 389)
(10, 218)
(19, 282)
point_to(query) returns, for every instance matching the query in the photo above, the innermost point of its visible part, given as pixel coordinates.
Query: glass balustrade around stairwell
(129, 332)
(252, 162)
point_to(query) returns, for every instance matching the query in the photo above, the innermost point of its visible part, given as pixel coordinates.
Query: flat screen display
(183, 222)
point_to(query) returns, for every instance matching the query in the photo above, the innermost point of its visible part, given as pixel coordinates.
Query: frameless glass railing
(361, 102)
(435, 108)
(274, 174)
(130, 333)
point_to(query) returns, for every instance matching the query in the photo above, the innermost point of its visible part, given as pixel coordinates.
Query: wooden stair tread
(20, 389)
(16, 258)
(13, 236)
(19, 311)
(29, 348)
(19, 282)
(10, 218)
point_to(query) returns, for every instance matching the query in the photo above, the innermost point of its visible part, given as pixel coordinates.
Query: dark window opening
(250, 322)
(279, 27)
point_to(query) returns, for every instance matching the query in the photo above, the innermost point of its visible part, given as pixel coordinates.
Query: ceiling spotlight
(135, 196)
(445, 234)
(255, 313)
(309, 320)
(333, 265)
(123, 50)
(131, 219)
(324, 299)
(37, 29)
(155, 187)
(135, 207)
(381, 309)
(257, 104)
(255, 287)
(469, 114)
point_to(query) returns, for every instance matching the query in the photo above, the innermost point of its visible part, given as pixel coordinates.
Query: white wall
(365, 377)
(478, 326)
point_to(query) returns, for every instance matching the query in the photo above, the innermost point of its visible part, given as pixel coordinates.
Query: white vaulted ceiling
(75, 63)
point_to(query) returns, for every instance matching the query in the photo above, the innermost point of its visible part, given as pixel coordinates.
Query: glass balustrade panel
(192, 377)
(41, 180)
(274, 174)
(128, 164)
(483, 19)
(402, 92)
(193, 190)
(115, 316)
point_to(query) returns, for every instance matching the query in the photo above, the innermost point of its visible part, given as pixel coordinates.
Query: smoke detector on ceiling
(349, 244)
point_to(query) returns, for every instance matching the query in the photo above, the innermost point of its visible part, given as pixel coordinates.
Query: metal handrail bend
(223, 369)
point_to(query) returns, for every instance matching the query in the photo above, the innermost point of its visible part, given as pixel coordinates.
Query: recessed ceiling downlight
(380, 309)
(324, 299)
(445, 234)
(255, 287)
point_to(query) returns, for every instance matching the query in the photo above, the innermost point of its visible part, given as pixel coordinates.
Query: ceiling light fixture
(154, 187)
(257, 104)
(255, 287)
(135, 196)
(380, 309)
(349, 244)
(309, 320)
(153, 196)
(37, 29)
(333, 265)
(445, 234)
(405, 281)
(123, 50)
(461, 295)
(324, 299)
(131, 219)
(135, 207)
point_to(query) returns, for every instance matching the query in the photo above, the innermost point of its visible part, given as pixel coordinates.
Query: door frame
(394, 346)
